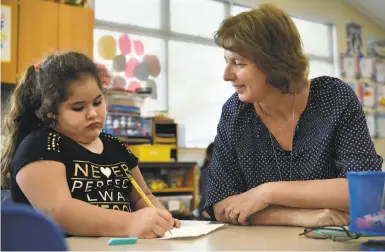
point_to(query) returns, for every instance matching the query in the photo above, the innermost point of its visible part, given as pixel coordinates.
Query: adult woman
(284, 143)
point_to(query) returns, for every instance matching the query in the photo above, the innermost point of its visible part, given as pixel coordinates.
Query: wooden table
(228, 238)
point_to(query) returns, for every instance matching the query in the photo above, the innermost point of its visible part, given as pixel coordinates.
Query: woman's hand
(237, 208)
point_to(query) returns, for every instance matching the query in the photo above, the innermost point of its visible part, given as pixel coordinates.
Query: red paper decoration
(130, 67)
(139, 47)
(125, 44)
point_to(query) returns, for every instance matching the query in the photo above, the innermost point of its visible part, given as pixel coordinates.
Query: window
(190, 86)
(311, 34)
(319, 68)
(145, 13)
(196, 77)
(198, 17)
(321, 54)
(236, 9)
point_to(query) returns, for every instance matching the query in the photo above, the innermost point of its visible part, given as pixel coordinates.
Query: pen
(141, 193)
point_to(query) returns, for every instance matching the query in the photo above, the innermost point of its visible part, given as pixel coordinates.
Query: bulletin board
(364, 72)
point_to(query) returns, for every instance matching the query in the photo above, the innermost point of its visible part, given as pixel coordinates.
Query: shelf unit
(40, 28)
(121, 98)
(188, 187)
(165, 132)
(162, 130)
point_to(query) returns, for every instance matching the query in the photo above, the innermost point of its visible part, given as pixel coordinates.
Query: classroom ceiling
(373, 9)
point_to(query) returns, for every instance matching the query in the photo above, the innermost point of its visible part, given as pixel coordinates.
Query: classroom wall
(337, 12)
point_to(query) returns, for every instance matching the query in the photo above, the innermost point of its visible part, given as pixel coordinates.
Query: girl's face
(81, 117)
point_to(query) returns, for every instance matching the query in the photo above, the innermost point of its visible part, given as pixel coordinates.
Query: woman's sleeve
(353, 144)
(223, 174)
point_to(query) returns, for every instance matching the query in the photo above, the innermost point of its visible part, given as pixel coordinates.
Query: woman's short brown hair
(268, 36)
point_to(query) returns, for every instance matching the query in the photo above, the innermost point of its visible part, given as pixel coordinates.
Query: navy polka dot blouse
(331, 139)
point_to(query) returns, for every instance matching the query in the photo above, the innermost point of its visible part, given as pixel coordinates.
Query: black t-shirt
(99, 179)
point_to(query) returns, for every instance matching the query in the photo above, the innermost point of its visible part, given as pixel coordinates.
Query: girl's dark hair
(42, 89)
(209, 154)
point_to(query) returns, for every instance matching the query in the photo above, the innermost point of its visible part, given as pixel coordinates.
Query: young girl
(58, 161)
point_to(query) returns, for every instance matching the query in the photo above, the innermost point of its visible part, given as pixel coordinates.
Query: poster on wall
(5, 40)
(349, 66)
(381, 97)
(367, 65)
(353, 39)
(375, 47)
(380, 72)
(369, 95)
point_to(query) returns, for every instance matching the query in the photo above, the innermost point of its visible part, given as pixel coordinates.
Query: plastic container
(151, 153)
(125, 125)
(180, 203)
(367, 202)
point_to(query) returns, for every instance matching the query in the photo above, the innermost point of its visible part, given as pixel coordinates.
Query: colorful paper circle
(119, 63)
(139, 47)
(130, 67)
(107, 47)
(154, 63)
(125, 44)
(142, 71)
(118, 82)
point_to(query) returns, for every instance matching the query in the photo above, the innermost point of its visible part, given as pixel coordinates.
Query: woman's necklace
(292, 143)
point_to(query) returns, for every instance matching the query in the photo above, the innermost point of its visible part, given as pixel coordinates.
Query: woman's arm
(312, 194)
(45, 186)
(287, 216)
(328, 193)
(276, 216)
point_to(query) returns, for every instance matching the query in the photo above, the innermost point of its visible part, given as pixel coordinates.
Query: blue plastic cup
(367, 202)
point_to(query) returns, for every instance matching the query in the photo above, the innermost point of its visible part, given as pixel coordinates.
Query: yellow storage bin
(151, 153)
